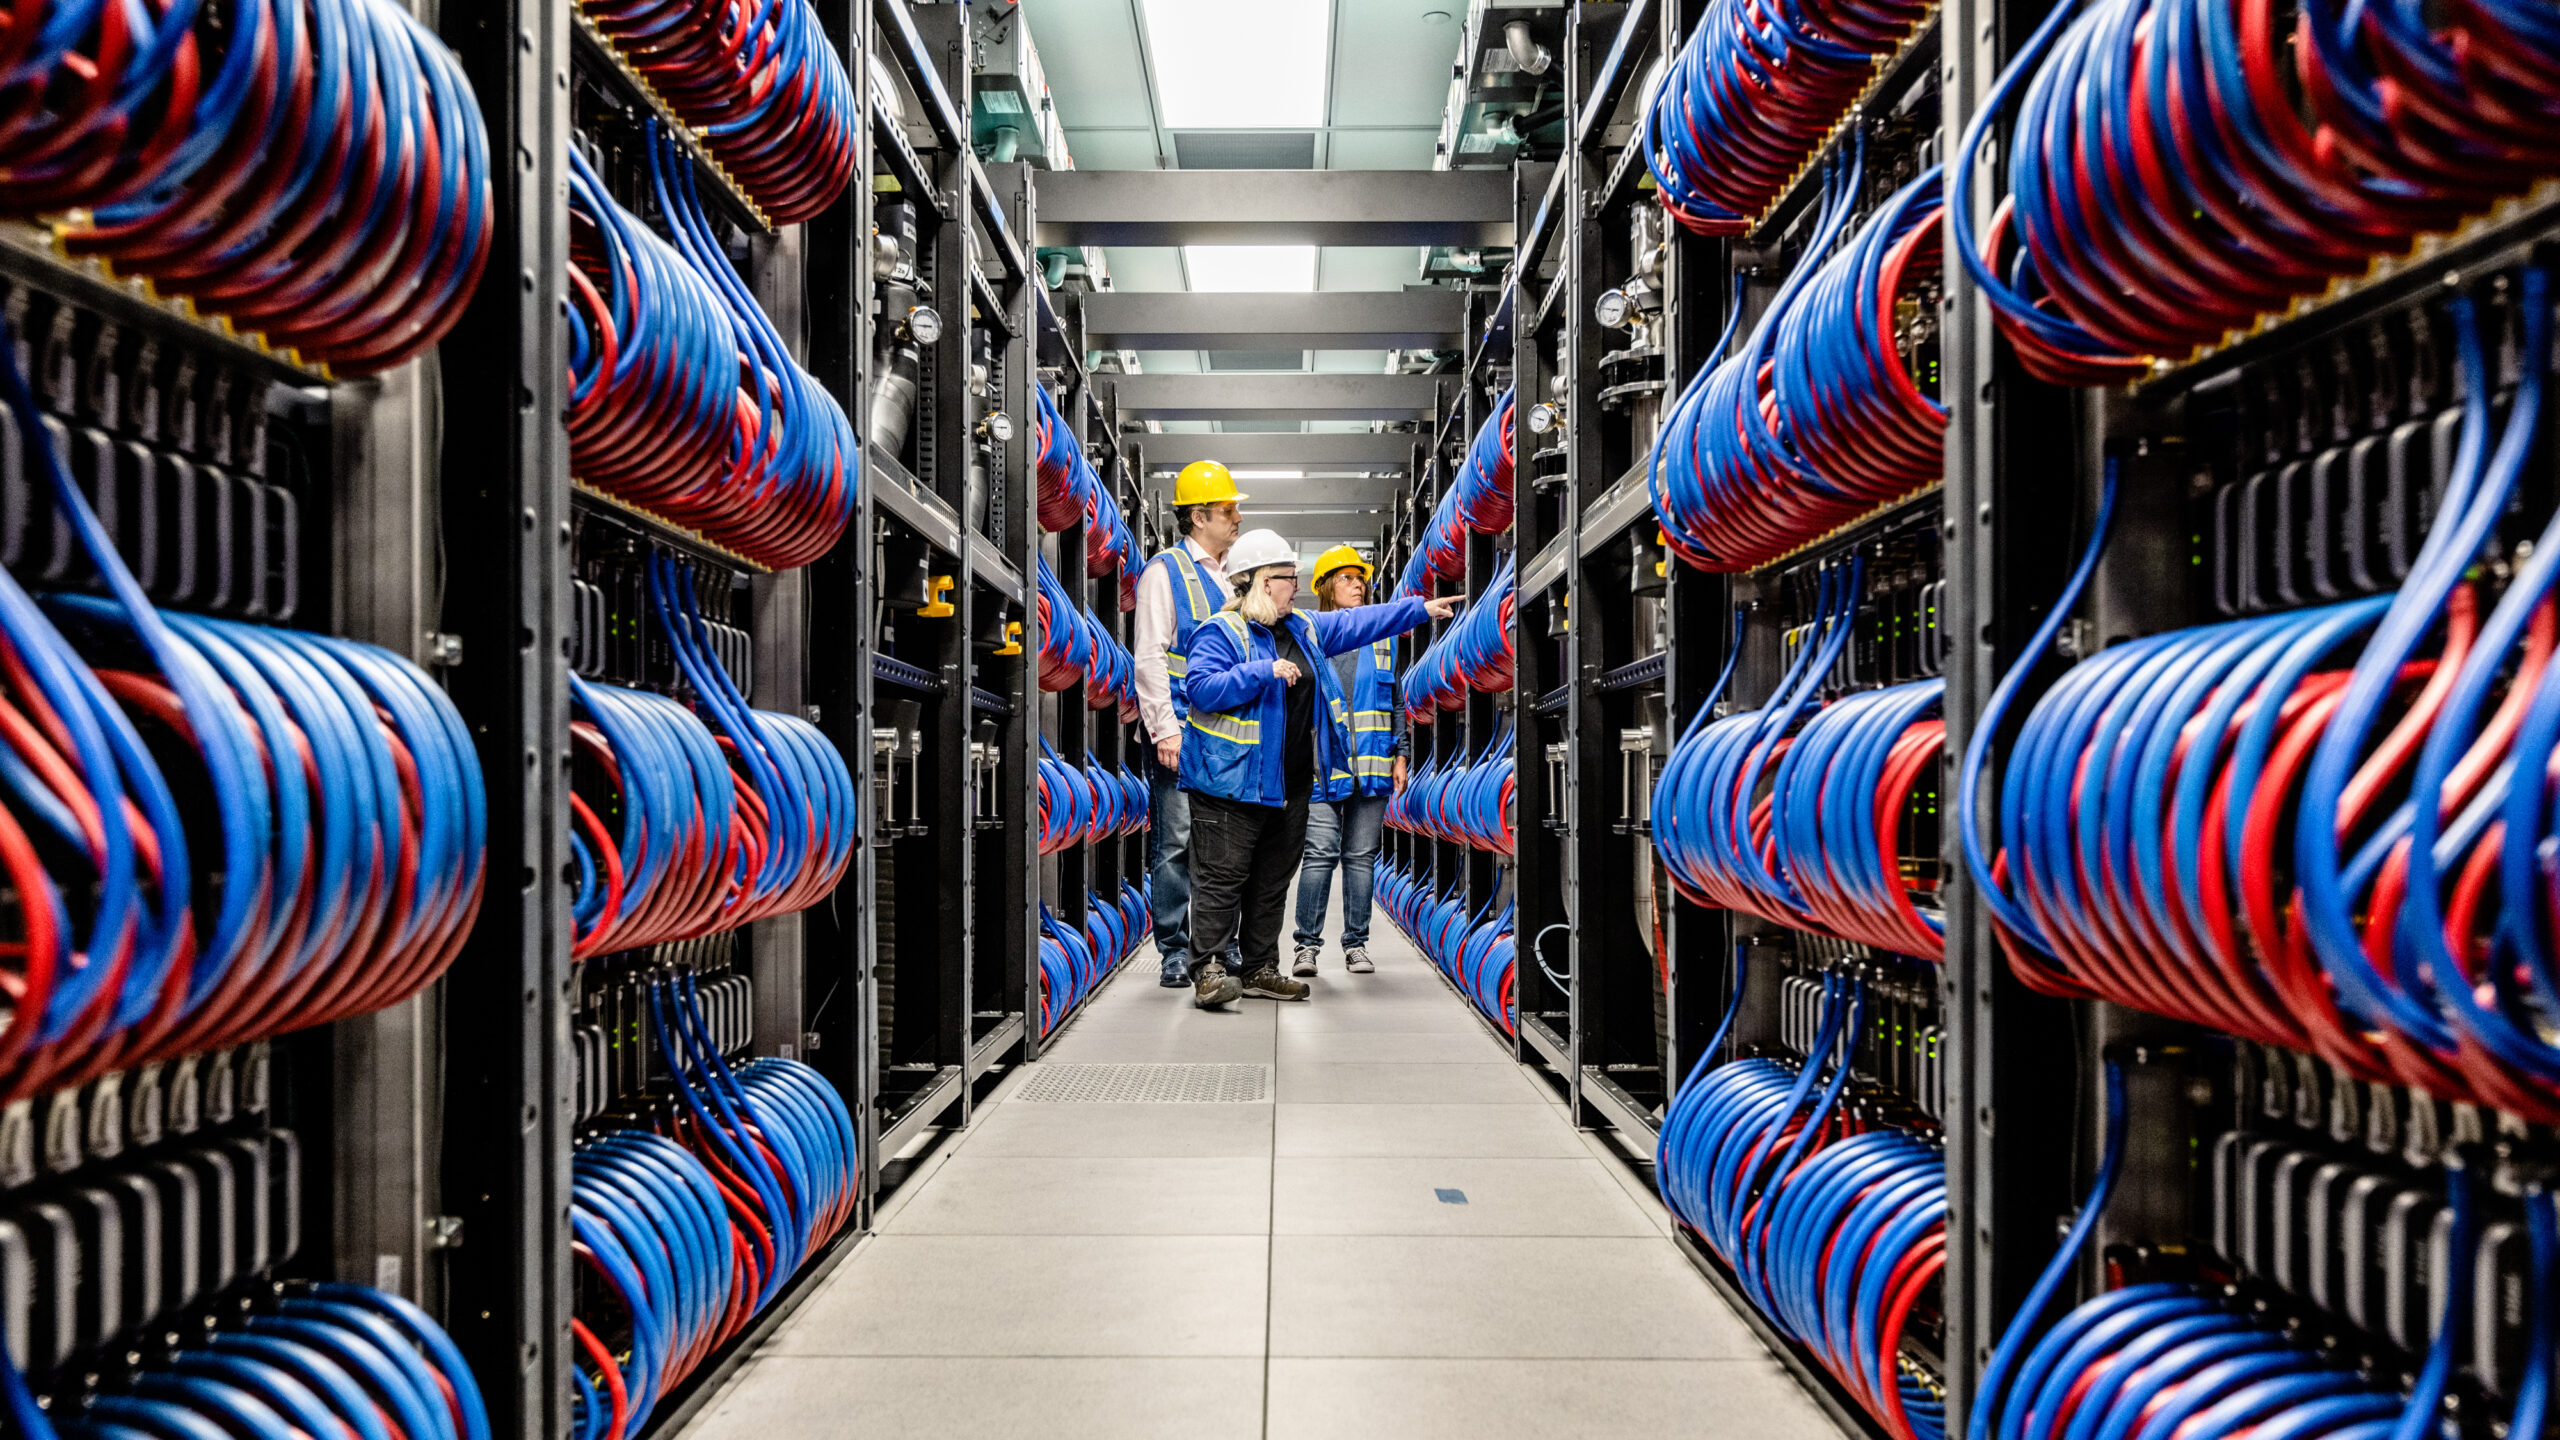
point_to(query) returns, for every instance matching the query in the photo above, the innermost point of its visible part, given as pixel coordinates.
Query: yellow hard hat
(1204, 482)
(1337, 558)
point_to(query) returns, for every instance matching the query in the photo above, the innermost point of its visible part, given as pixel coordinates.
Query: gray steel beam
(1303, 494)
(1390, 451)
(1275, 207)
(1331, 320)
(1276, 397)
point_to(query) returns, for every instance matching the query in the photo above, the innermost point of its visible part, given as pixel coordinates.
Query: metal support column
(506, 495)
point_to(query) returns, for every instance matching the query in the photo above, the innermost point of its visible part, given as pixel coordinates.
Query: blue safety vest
(1195, 598)
(1373, 720)
(1223, 751)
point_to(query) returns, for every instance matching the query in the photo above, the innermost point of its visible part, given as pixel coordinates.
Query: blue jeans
(1344, 834)
(1169, 866)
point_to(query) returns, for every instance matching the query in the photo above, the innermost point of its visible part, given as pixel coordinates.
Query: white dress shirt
(1155, 634)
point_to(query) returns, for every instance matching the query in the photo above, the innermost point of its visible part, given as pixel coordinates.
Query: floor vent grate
(1147, 1085)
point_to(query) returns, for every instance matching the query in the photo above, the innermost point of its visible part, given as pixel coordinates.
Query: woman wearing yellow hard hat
(1345, 834)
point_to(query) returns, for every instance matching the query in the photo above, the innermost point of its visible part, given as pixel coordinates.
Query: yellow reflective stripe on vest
(1176, 663)
(1190, 569)
(1379, 766)
(1373, 720)
(1228, 727)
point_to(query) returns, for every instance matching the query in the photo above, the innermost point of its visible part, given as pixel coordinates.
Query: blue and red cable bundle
(306, 1360)
(1480, 499)
(1815, 418)
(1076, 649)
(1074, 963)
(761, 84)
(1834, 1227)
(2219, 823)
(347, 881)
(2176, 1359)
(2185, 167)
(1755, 91)
(317, 175)
(690, 1231)
(1474, 654)
(1084, 805)
(1821, 849)
(1470, 804)
(1479, 955)
(1070, 491)
(723, 821)
(683, 398)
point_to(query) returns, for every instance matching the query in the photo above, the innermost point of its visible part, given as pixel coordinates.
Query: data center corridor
(1286, 1267)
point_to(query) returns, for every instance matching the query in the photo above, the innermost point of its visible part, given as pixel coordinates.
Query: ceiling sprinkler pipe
(1532, 57)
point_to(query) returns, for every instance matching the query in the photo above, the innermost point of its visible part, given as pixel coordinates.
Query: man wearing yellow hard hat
(1182, 587)
(1344, 834)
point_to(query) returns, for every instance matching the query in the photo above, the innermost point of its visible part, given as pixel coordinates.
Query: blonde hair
(1253, 603)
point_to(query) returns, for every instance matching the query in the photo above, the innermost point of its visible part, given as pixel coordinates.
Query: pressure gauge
(1543, 418)
(923, 325)
(1612, 308)
(997, 426)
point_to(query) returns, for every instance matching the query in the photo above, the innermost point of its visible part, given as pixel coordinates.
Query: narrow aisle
(1404, 1236)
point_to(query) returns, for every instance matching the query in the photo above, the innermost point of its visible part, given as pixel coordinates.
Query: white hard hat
(1256, 548)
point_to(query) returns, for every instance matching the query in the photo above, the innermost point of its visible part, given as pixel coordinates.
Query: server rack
(426, 1150)
(2239, 496)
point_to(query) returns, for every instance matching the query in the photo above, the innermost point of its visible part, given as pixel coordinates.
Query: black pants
(1243, 857)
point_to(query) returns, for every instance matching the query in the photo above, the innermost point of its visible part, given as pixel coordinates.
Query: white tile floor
(1284, 1269)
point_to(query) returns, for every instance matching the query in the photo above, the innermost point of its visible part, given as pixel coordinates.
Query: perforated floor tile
(1146, 1085)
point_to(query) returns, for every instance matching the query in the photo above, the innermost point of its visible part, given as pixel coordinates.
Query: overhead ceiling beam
(1305, 494)
(1276, 397)
(1334, 320)
(1274, 207)
(1282, 451)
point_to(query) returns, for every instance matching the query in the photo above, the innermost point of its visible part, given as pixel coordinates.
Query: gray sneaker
(1216, 986)
(1269, 984)
(1355, 958)
(1306, 962)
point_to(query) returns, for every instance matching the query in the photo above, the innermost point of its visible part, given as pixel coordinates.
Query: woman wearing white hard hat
(1269, 732)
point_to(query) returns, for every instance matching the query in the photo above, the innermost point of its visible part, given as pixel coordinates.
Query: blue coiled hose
(1834, 1232)
(1476, 653)
(1073, 964)
(692, 1239)
(252, 184)
(1816, 418)
(1480, 954)
(348, 882)
(2159, 1359)
(2193, 166)
(314, 1360)
(1472, 803)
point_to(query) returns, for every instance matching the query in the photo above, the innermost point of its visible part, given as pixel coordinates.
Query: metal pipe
(1532, 57)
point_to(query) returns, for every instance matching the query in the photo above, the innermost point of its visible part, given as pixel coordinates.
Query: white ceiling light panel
(1250, 267)
(1239, 64)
